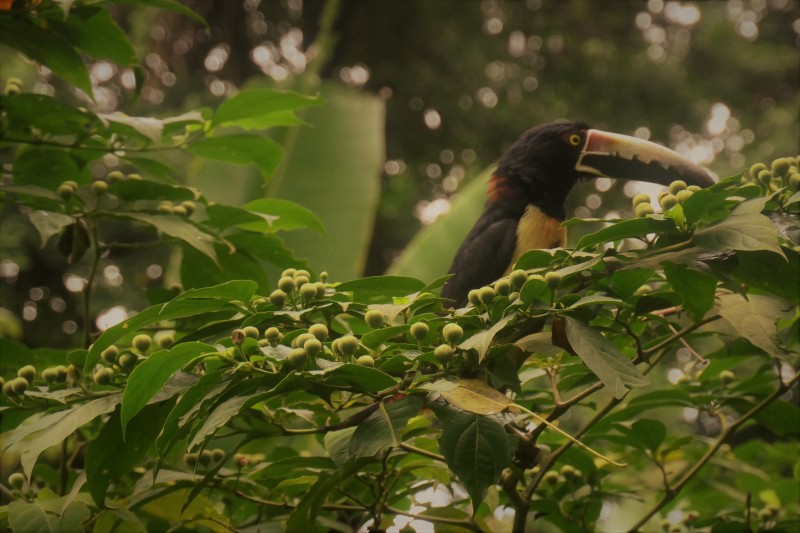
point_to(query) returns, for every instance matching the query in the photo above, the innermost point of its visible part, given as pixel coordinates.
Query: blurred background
(424, 95)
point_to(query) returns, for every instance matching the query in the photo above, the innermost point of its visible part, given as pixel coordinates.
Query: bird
(525, 205)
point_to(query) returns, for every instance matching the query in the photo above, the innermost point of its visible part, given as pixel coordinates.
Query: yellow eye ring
(574, 139)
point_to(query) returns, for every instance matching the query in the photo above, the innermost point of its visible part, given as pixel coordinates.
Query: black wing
(484, 255)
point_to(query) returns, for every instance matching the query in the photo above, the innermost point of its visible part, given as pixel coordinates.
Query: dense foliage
(667, 344)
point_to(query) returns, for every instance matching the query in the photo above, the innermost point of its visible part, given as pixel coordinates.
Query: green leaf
(174, 226)
(47, 168)
(744, 232)
(151, 375)
(368, 379)
(260, 103)
(632, 228)
(768, 272)
(377, 289)
(237, 290)
(277, 214)
(24, 517)
(781, 417)
(375, 338)
(603, 358)
(48, 224)
(596, 299)
(625, 282)
(28, 110)
(48, 48)
(241, 148)
(755, 318)
(651, 433)
(696, 289)
(131, 190)
(477, 397)
(532, 290)
(303, 518)
(338, 445)
(481, 341)
(111, 455)
(381, 430)
(169, 5)
(95, 33)
(476, 448)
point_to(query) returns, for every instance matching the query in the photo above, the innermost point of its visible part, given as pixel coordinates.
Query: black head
(549, 159)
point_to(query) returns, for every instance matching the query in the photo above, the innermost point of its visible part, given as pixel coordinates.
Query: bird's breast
(537, 231)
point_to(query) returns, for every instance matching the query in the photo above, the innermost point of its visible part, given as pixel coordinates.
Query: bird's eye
(574, 139)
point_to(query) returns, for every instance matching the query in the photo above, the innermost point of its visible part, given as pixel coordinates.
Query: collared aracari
(525, 207)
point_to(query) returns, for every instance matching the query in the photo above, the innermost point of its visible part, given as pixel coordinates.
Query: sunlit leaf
(744, 232)
(382, 429)
(241, 149)
(260, 103)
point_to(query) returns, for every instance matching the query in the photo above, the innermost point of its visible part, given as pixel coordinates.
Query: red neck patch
(501, 187)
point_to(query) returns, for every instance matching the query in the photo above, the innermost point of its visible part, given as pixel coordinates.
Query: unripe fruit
(13, 86)
(297, 357)
(781, 166)
(103, 376)
(179, 210)
(551, 478)
(641, 198)
(694, 188)
(49, 375)
(794, 181)
(19, 385)
(27, 372)
(16, 480)
(452, 333)
(553, 279)
(65, 192)
(8, 390)
(474, 297)
(142, 342)
(205, 457)
(419, 330)
(217, 454)
(726, 376)
(684, 195)
(99, 188)
(765, 177)
(301, 339)
(165, 341)
(518, 278)
(189, 206)
(61, 373)
(133, 177)
(513, 296)
(677, 185)
(277, 298)
(486, 295)
(166, 208)
(366, 360)
(114, 176)
(348, 344)
(642, 210)
(72, 183)
(190, 459)
(756, 169)
(320, 289)
(301, 272)
(252, 332)
(128, 361)
(73, 375)
(238, 336)
(288, 272)
(335, 346)
(502, 287)
(312, 347)
(308, 291)
(661, 195)
(323, 276)
(570, 472)
(374, 318)
(241, 460)
(443, 353)
(320, 331)
(286, 284)
(273, 334)
(109, 355)
(668, 201)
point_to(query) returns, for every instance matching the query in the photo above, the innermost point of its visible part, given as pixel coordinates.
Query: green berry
(277, 298)
(502, 287)
(128, 361)
(103, 376)
(642, 210)
(661, 195)
(99, 188)
(323, 276)
(694, 188)
(765, 177)
(348, 344)
(297, 357)
(133, 176)
(189, 206)
(61, 373)
(374, 318)
(286, 284)
(65, 191)
(571, 473)
(273, 334)
(27, 372)
(16, 480)
(217, 454)
(756, 169)
(486, 295)
(443, 353)
(474, 297)
(114, 176)
(781, 166)
(238, 336)
(312, 347)
(419, 330)
(320, 289)
(335, 346)
(165, 341)
(518, 278)
(551, 478)
(191, 459)
(301, 272)
(142, 342)
(366, 360)
(13, 86)
(452, 333)
(553, 279)
(668, 201)
(726, 376)
(180, 211)
(8, 390)
(641, 198)
(288, 272)
(19, 385)
(308, 291)
(301, 339)
(320, 331)
(73, 375)
(205, 457)
(109, 355)
(684, 195)
(794, 181)
(677, 185)
(49, 375)
(301, 280)
(166, 208)
(252, 332)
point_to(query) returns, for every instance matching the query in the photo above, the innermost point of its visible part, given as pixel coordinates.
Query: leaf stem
(420, 451)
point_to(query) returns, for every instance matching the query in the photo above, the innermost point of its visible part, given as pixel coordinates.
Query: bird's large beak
(623, 157)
